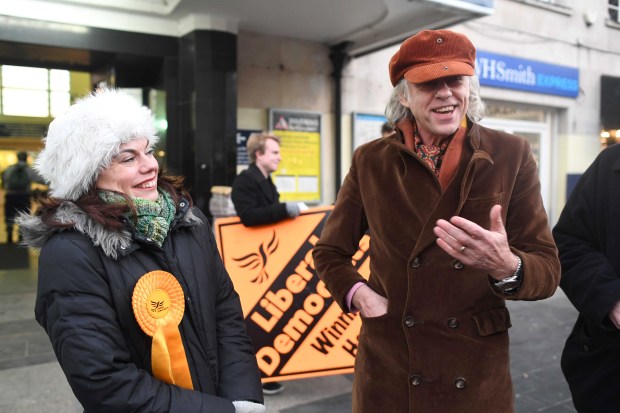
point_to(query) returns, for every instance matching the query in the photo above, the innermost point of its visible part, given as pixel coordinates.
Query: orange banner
(297, 329)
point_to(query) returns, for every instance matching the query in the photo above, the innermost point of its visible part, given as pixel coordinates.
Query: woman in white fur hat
(141, 313)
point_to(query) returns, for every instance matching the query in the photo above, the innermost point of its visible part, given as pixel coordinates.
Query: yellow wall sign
(298, 177)
(297, 329)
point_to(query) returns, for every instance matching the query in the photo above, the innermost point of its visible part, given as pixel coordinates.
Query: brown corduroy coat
(443, 344)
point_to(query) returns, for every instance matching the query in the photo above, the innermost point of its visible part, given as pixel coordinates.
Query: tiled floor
(32, 382)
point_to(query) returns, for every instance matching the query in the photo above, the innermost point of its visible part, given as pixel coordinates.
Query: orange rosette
(158, 304)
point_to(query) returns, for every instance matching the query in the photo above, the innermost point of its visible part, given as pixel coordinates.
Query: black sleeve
(238, 369)
(246, 198)
(588, 277)
(35, 177)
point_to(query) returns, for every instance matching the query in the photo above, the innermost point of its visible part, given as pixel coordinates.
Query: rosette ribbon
(158, 305)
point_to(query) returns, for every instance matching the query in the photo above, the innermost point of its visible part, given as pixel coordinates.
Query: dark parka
(443, 344)
(86, 279)
(256, 198)
(588, 239)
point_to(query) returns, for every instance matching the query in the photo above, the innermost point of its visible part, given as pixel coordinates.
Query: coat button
(453, 322)
(409, 321)
(416, 380)
(416, 262)
(460, 383)
(458, 265)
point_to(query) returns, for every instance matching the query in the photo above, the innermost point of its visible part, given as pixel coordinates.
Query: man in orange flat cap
(457, 226)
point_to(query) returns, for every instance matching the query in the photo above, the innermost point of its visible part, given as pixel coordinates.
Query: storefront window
(531, 123)
(31, 91)
(613, 11)
(513, 111)
(610, 137)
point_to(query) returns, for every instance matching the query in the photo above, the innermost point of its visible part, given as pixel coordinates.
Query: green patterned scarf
(152, 219)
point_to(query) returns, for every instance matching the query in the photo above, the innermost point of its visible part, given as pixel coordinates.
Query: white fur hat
(83, 141)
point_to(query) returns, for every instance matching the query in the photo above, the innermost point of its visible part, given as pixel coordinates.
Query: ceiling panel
(364, 25)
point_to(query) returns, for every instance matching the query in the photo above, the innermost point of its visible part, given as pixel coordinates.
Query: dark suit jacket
(256, 198)
(589, 244)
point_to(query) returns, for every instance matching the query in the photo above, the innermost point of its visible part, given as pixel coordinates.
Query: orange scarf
(448, 158)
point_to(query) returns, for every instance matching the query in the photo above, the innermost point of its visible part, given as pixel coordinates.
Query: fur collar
(36, 233)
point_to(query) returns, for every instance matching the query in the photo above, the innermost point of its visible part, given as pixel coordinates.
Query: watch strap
(511, 283)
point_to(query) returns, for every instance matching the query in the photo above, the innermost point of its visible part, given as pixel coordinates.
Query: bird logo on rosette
(258, 260)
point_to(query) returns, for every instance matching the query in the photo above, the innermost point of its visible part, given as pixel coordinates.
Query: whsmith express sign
(521, 74)
(297, 329)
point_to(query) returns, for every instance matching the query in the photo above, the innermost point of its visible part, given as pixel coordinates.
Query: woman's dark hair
(109, 215)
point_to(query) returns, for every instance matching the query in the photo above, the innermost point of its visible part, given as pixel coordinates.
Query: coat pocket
(492, 321)
(478, 209)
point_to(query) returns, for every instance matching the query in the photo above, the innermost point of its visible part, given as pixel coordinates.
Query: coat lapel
(265, 184)
(454, 196)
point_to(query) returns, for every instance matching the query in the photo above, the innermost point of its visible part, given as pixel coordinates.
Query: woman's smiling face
(133, 171)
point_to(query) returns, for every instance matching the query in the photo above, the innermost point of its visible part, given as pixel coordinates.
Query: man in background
(386, 130)
(16, 181)
(254, 195)
(256, 198)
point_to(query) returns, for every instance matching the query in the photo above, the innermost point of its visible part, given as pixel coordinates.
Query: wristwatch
(511, 283)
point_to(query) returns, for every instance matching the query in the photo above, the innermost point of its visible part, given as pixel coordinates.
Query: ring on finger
(462, 248)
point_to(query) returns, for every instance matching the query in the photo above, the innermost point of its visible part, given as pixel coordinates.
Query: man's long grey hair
(394, 111)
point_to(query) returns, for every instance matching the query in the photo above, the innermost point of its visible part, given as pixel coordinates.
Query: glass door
(538, 135)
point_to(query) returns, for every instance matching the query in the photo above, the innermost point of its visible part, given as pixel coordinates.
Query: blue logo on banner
(529, 75)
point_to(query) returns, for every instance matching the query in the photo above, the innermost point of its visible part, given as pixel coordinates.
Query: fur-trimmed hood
(35, 232)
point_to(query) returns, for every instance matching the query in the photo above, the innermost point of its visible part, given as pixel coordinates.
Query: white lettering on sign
(521, 74)
(496, 70)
